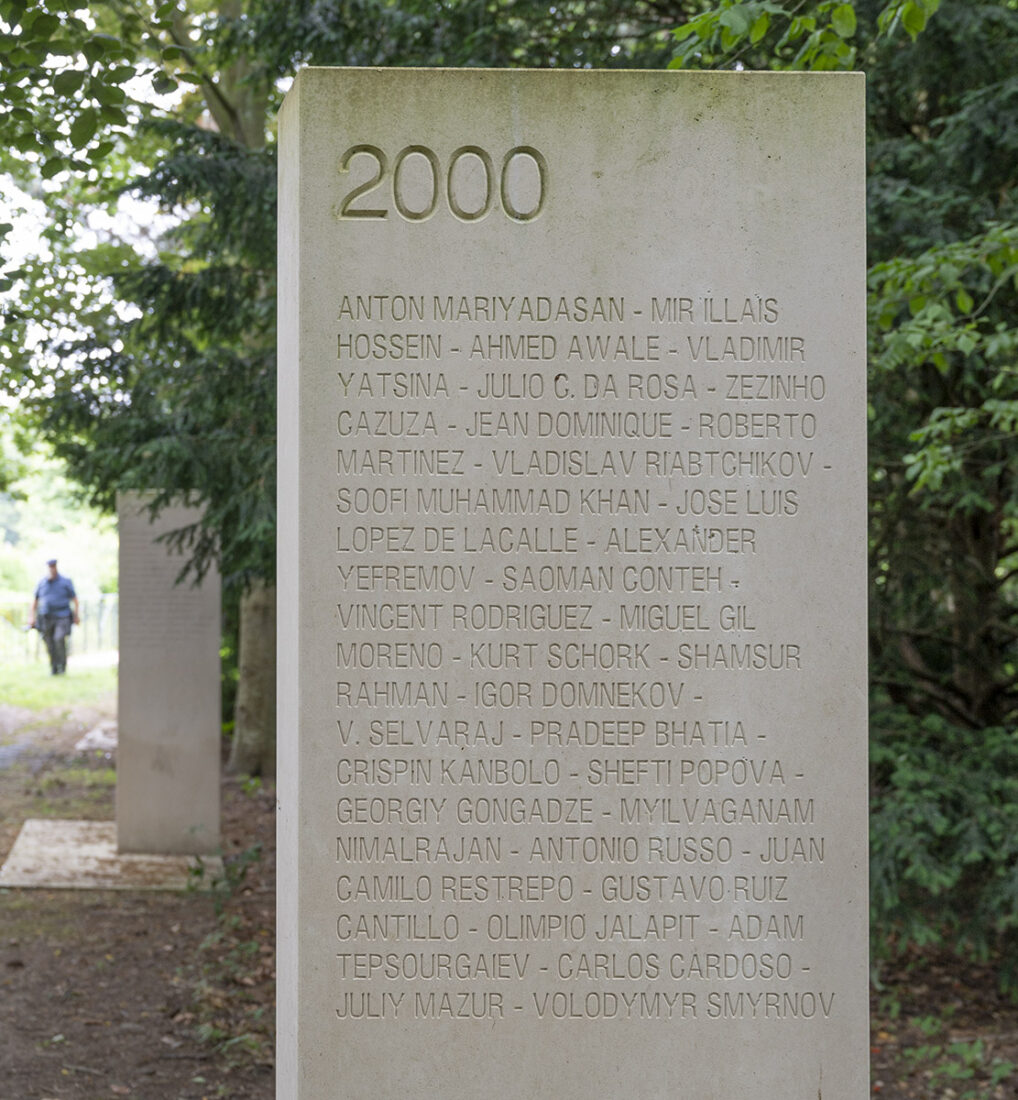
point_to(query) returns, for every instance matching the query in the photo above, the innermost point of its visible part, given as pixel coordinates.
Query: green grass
(89, 778)
(31, 686)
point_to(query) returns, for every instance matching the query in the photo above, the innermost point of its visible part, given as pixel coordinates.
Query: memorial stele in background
(167, 797)
(572, 586)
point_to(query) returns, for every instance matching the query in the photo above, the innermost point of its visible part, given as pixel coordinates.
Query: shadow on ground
(164, 996)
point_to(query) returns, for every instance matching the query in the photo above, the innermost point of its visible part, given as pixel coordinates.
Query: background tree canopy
(157, 371)
(942, 82)
(150, 362)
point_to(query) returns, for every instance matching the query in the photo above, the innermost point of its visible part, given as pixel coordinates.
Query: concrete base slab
(82, 855)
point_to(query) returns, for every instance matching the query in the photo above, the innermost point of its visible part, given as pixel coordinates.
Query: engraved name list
(545, 535)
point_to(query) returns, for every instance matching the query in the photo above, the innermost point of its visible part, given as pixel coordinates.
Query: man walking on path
(54, 608)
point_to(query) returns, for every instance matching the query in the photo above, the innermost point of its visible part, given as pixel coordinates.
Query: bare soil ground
(149, 995)
(941, 1030)
(170, 996)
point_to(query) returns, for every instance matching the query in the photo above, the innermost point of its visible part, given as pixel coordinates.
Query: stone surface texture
(167, 797)
(82, 855)
(572, 737)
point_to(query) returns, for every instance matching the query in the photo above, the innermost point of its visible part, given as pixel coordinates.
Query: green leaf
(93, 50)
(61, 47)
(16, 12)
(113, 115)
(84, 127)
(44, 25)
(964, 301)
(913, 18)
(759, 28)
(107, 94)
(52, 167)
(843, 20)
(25, 141)
(68, 82)
(162, 84)
(739, 20)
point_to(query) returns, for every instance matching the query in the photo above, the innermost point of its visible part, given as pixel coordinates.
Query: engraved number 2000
(468, 209)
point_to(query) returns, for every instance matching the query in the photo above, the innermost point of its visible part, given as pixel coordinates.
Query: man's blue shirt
(55, 595)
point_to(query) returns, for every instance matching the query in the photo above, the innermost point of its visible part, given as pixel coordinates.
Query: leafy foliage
(943, 139)
(181, 398)
(944, 497)
(62, 80)
(159, 372)
(943, 363)
(799, 36)
(945, 476)
(942, 367)
(791, 38)
(944, 865)
(493, 33)
(175, 389)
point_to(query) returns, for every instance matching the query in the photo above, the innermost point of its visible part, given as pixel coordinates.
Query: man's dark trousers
(54, 630)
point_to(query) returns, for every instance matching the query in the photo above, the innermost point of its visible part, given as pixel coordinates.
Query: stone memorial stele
(572, 774)
(167, 796)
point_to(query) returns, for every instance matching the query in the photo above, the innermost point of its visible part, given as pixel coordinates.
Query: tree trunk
(254, 733)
